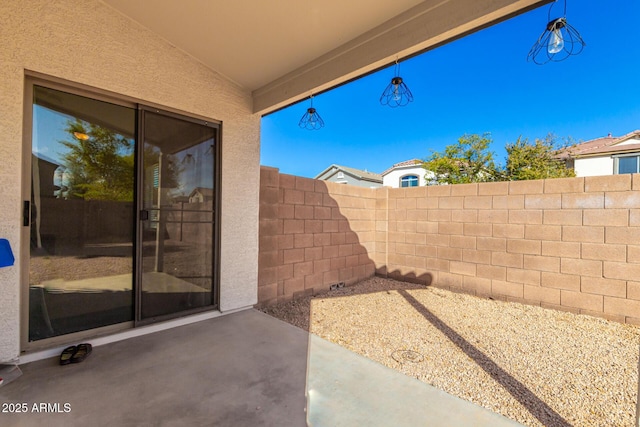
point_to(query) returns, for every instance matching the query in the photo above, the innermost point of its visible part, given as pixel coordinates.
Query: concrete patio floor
(242, 369)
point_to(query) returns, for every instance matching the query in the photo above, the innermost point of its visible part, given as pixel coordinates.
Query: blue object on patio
(6, 256)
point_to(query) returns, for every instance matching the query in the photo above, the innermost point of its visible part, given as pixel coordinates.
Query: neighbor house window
(409, 181)
(627, 164)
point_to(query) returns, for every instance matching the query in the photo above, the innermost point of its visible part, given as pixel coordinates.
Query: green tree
(99, 162)
(537, 160)
(469, 160)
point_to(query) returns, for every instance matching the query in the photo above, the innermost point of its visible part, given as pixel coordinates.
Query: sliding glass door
(120, 216)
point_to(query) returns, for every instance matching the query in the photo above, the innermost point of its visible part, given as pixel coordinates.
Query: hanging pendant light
(188, 159)
(557, 42)
(311, 120)
(396, 94)
(81, 136)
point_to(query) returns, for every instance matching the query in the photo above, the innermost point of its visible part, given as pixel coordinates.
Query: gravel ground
(536, 366)
(77, 263)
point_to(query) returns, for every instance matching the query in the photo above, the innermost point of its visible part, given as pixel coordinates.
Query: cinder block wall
(313, 234)
(569, 244)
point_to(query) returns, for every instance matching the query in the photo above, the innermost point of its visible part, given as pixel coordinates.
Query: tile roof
(206, 192)
(411, 162)
(604, 145)
(365, 175)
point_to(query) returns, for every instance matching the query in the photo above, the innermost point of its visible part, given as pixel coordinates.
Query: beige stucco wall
(392, 179)
(87, 42)
(594, 166)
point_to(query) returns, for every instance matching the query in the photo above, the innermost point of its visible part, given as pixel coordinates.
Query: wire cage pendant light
(557, 42)
(311, 120)
(397, 93)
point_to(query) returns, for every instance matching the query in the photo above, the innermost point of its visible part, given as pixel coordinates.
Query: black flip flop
(82, 351)
(67, 354)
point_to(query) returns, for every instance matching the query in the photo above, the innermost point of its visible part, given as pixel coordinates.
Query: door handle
(144, 215)
(26, 220)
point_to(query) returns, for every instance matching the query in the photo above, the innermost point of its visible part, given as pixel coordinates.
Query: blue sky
(480, 83)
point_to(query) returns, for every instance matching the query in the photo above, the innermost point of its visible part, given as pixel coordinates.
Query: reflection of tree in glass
(100, 163)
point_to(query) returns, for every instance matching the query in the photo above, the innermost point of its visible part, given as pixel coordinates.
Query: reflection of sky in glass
(196, 165)
(49, 129)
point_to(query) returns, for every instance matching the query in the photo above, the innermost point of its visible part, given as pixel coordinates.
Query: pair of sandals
(75, 353)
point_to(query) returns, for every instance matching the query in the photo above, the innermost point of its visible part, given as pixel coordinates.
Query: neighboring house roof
(46, 158)
(206, 192)
(357, 173)
(412, 162)
(605, 145)
(178, 199)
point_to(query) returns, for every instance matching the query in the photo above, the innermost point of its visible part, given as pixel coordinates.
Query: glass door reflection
(82, 214)
(177, 215)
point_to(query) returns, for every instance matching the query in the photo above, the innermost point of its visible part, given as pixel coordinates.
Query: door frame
(32, 79)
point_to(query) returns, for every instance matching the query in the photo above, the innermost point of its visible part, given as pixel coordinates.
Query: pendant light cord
(551, 7)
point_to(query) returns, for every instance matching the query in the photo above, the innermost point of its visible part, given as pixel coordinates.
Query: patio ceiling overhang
(283, 50)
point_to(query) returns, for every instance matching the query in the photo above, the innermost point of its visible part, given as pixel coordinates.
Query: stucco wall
(594, 166)
(89, 43)
(392, 179)
(350, 180)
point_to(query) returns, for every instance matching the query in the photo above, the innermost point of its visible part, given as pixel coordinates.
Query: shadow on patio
(242, 369)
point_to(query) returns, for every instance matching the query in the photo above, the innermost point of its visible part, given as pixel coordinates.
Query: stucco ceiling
(253, 42)
(282, 49)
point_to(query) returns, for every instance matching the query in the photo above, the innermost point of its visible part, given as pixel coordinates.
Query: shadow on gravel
(537, 407)
(298, 311)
